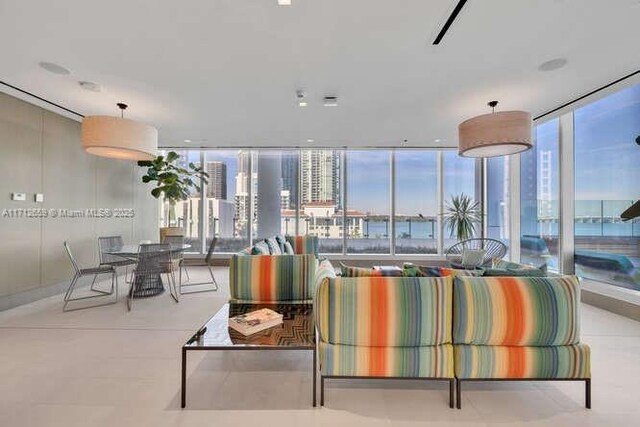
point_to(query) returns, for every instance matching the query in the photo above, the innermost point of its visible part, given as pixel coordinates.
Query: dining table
(144, 284)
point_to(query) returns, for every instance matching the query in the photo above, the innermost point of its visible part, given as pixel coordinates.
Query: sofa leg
(459, 393)
(451, 393)
(587, 393)
(321, 390)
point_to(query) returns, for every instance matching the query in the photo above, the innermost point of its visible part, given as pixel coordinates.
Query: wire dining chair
(95, 272)
(154, 260)
(108, 244)
(177, 256)
(493, 249)
(208, 261)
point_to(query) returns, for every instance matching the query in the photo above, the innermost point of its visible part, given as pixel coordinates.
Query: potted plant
(461, 216)
(174, 183)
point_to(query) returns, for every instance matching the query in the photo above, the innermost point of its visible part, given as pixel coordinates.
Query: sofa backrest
(304, 244)
(516, 311)
(385, 311)
(271, 278)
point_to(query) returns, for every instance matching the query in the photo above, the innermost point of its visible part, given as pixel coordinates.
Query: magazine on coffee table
(255, 321)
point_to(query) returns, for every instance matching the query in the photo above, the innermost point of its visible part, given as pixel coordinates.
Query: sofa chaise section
(385, 327)
(517, 328)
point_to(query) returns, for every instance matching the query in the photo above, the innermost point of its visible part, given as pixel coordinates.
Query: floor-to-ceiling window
(338, 195)
(226, 198)
(368, 202)
(459, 178)
(539, 195)
(185, 213)
(498, 200)
(607, 181)
(416, 207)
(320, 198)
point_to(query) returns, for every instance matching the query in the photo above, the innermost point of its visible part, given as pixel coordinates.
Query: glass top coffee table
(297, 332)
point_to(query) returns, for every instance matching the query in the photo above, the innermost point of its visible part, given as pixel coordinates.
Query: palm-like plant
(173, 182)
(461, 216)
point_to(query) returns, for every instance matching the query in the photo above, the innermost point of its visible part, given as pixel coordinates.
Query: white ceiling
(226, 71)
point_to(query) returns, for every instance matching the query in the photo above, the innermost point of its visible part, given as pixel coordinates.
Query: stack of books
(255, 321)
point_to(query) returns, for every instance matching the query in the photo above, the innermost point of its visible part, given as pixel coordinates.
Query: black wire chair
(493, 249)
(108, 244)
(177, 256)
(95, 272)
(208, 261)
(154, 260)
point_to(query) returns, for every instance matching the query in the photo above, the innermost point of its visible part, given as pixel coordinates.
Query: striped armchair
(385, 327)
(275, 278)
(519, 328)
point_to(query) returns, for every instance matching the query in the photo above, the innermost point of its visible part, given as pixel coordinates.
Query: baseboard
(612, 304)
(21, 298)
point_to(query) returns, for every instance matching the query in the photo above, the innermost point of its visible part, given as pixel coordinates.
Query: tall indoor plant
(173, 181)
(461, 215)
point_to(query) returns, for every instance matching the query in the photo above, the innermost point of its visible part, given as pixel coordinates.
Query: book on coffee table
(255, 321)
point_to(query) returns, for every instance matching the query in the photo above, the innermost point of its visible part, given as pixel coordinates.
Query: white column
(269, 187)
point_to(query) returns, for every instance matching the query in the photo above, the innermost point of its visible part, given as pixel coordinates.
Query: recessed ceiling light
(91, 86)
(54, 68)
(301, 101)
(284, 2)
(552, 64)
(330, 101)
(310, 140)
(187, 141)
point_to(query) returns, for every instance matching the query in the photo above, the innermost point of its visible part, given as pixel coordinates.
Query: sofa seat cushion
(385, 311)
(564, 361)
(409, 362)
(516, 311)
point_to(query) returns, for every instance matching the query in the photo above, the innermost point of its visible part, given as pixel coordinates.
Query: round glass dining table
(144, 284)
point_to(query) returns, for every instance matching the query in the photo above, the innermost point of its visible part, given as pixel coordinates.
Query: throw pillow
(274, 247)
(281, 240)
(288, 249)
(515, 272)
(260, 248)
(348, 271)
(411, 270)
(453, 272)
(473, 258)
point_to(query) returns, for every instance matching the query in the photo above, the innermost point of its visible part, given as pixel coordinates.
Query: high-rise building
(320, 170)
(290, 178)
(217, 186)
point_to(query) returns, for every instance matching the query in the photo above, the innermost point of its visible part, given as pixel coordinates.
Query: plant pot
(171, 231)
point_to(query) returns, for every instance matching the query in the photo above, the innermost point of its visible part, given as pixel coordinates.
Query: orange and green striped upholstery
(385, 326)
(562, 361)
(516, 311)
(435, 361)
(385, 311)
(271, 278)
(304, 244)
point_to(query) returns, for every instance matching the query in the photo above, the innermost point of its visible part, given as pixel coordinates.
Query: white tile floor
(107, 367)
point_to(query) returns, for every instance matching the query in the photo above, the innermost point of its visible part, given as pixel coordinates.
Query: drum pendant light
(495, 134)
(119, 138)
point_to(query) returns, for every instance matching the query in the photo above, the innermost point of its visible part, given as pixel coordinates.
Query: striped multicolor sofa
(385, 327)
(519, 328)
(275, 278)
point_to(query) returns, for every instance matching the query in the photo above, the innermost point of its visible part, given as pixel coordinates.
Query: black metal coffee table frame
(296, 333)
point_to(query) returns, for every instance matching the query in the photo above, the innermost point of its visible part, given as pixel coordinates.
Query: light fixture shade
(495, 134)
(119, 138)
